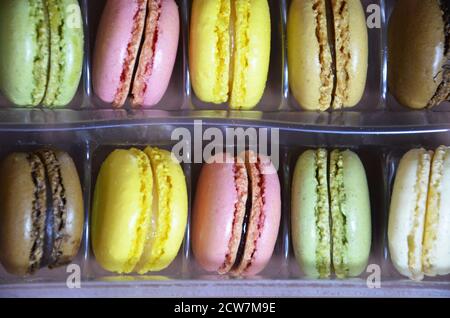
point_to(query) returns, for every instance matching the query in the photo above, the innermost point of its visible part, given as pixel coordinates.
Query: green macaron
(330, 215)
(41, 51)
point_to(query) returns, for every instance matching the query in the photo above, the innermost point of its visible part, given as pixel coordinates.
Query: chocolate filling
(38, 212)
(49, 236)
(56, 209)
(245, 225)
(443, 90)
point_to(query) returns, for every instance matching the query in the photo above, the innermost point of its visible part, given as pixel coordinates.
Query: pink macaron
(135, 51)
(236, 214)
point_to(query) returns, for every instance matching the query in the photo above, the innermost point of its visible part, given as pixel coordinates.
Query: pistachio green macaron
(330, 214)
(41, 51)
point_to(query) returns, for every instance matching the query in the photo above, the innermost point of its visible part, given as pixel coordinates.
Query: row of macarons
(42, 52)
(139, 212)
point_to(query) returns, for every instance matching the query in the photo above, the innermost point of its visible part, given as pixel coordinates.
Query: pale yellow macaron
(139, 213)
(419, 217)
(327, 57)
(229, 51)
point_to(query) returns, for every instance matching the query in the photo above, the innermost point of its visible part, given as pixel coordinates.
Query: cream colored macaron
(419, 217)
(327, 57)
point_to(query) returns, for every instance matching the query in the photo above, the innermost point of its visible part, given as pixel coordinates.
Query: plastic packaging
(378, 129)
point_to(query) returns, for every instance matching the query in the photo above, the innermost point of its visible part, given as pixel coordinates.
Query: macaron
(327, 46)
(41, 211)
(236, 214)
(419, 216)
(330, 214)
(418, 52)
(135, 51)
(41, 52)
(229, 51)
(139, 211)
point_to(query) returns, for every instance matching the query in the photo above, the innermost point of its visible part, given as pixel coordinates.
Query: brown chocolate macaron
(41, 211)
(418, 52)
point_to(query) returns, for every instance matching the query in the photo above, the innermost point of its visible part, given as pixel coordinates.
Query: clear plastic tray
(282, 276)
(377, 109)
(378, 129)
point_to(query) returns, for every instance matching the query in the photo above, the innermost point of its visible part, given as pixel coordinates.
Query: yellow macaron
(229, 51)
(139, 211)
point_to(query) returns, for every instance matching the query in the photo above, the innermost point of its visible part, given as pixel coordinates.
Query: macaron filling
(333, 39)
(147, 55)
(132, 52)
(248, 217)
(38, 14)
(144, 217)
(56, 21)
(338, 215)
(49, 237)
(433, 208)
(232, 51)
(244, 232)
(255, 222)
(56, 207)
(342, 49)
(322, 215)
(161, 212)
(65, 52)
(415, 236)
(240, 209)
(39, 207)
(224, 45)
(49, 211)
(56, 211)
(322, 15)
(240, 39)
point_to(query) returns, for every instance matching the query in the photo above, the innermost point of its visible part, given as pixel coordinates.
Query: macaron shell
(24, 52)
(269, 221)
(304, 227)
(415, 52)
(119, 211)
(74, 218)
(66, 51)
(436, 243)
(407, 212)
(209, 53)
(16, 214)
(213, 214)
(311, 88)
(351, 52)
(114, 34)
(356, 209)
(164, 55)
(171, 215)
(251, 53)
